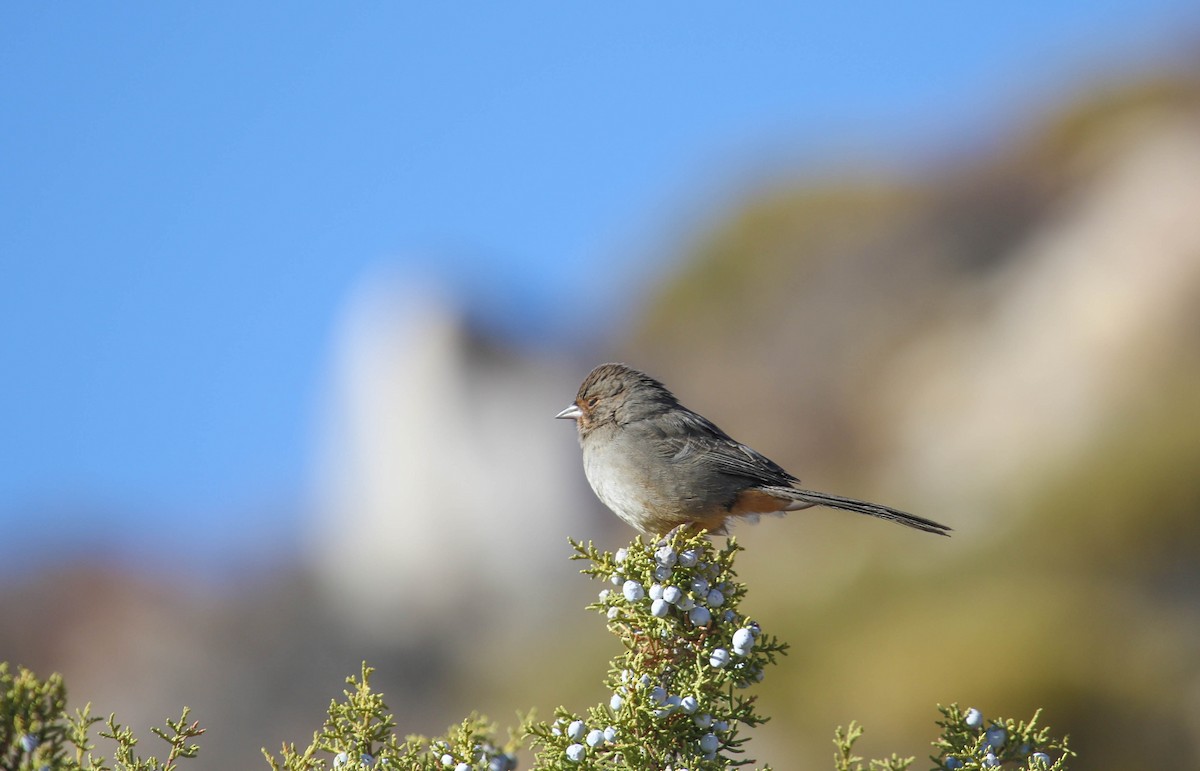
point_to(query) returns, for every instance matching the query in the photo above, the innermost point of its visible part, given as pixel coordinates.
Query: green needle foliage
(37, 733)
(678, 698)
(969, 742)
(845, 759)
(359, 734)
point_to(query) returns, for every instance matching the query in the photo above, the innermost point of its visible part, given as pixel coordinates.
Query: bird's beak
(573, 412)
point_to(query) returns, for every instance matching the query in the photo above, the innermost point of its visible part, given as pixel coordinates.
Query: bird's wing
(686, 437)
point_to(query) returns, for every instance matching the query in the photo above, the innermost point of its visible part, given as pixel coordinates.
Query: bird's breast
(617, 481)
(648, 492)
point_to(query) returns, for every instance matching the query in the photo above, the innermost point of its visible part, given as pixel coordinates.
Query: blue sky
(190, 191)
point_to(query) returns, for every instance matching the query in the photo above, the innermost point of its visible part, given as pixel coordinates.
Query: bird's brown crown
(616, 392)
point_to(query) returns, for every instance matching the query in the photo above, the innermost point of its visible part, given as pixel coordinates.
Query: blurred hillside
(1010, 346)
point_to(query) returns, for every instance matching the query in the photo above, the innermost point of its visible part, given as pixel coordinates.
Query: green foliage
(359, 733)
(845, 759)
(37, 733)
(676, 688)
(970, 742)
(32, 731)
(967, 742)
(678, 700)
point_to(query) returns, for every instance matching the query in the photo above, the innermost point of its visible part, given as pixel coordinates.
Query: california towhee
(658, 465)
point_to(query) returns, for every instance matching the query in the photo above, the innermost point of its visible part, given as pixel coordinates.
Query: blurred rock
(1083, 319)
(447, 489)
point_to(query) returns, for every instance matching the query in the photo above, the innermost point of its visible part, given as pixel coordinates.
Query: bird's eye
(592, 402)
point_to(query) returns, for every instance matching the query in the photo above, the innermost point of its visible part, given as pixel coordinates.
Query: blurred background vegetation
(1006, 340)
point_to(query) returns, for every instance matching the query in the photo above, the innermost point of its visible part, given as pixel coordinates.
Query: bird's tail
(808, 498)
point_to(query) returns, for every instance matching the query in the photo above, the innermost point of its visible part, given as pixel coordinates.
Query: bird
(659, 466)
